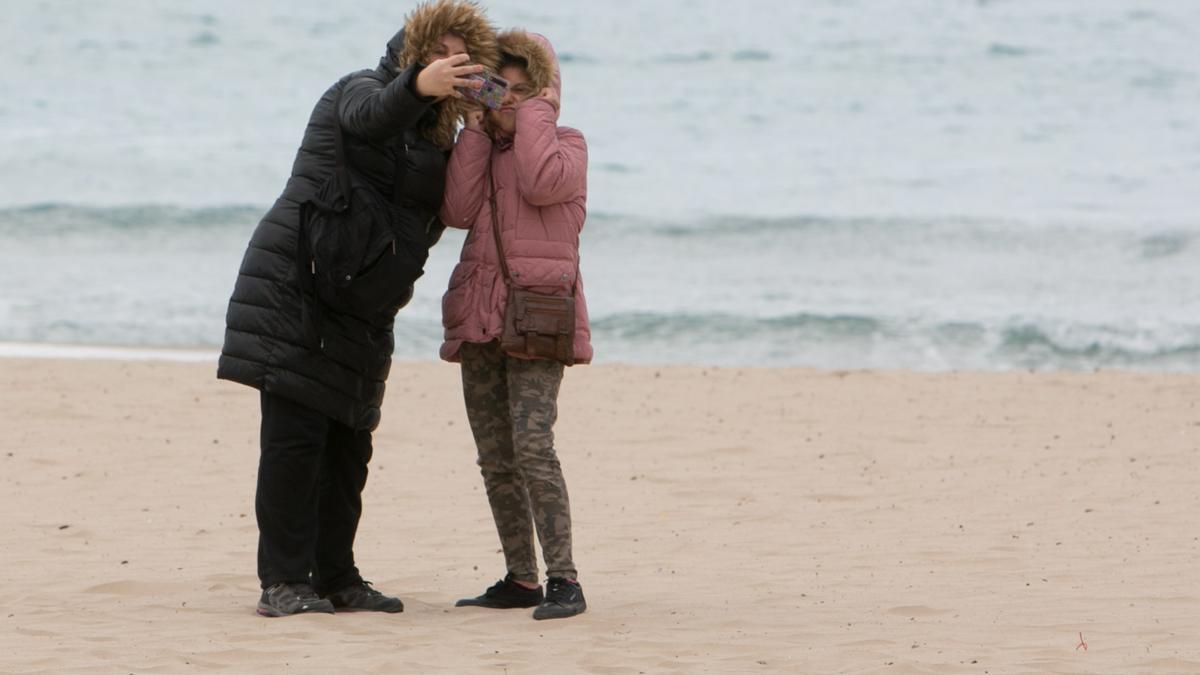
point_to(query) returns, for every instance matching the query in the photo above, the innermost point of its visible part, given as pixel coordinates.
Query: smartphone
(491, 93)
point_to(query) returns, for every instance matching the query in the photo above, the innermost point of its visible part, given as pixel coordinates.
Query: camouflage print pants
(512, 405)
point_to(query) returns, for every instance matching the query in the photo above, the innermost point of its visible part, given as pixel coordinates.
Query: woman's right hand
(442, 77)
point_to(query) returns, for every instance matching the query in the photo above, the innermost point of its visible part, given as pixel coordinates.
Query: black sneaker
(287, 599)
(563, 598)
(361, 597)
(505, 594)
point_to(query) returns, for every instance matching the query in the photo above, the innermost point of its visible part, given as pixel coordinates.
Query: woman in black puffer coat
(387, 125)
(321, 398)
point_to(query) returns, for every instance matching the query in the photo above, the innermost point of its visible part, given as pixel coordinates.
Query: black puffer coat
(268, 338)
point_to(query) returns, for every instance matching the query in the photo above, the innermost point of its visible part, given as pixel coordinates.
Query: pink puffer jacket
(541, 195)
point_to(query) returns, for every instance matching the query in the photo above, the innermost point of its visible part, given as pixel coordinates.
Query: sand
(726, 520)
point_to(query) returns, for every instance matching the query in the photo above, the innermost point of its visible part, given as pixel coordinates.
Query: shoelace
(303, 594)
(555, 588)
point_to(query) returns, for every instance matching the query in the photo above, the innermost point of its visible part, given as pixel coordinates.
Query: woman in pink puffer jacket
(539, 170)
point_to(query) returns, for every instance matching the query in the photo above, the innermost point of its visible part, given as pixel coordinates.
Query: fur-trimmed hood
(423, 30)
(538, 53)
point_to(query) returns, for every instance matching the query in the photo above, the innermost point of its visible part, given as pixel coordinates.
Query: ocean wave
(723, 226)
(809, 339)
(651, 325)
(685, 227)
(752, 55)
(1097, 346)
(702, 56)
(33, 350)
(59, 218)
(1165, 245)
(858, 341)
(48, 220)
(1008, 50)
(1120, 243)
(577, 58)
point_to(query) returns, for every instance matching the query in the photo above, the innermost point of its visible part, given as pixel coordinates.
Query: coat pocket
(385, 284)
(460, 297)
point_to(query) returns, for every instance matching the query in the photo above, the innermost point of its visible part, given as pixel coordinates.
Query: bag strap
(496, 222)
(496, 232)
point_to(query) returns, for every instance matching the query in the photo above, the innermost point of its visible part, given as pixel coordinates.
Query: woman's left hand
(550, 95)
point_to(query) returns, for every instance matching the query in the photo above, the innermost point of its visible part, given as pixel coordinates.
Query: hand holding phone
(446, 77)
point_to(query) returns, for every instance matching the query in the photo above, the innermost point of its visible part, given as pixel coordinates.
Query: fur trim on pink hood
(538, 53)
(541, 195)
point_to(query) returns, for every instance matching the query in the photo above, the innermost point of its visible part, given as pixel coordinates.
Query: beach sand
(726, 520)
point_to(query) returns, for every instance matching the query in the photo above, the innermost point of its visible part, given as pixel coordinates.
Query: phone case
(491, 93)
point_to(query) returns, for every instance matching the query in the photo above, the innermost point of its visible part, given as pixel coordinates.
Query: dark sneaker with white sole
(564, 598)
(361, 597)
(289, 599)
(505, 594)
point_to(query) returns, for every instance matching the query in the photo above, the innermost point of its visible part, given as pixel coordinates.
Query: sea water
(929, 184)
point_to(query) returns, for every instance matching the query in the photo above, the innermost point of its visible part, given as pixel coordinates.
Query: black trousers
(311, 474)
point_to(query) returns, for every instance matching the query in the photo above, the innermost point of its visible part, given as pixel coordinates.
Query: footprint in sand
(138, 588)
(916, 610)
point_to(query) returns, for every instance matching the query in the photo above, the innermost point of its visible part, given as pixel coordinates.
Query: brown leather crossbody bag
(536, 325)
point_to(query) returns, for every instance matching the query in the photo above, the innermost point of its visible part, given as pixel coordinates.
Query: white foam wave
(29, 350)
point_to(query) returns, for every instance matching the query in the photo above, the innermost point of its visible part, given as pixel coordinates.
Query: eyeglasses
(522, 90)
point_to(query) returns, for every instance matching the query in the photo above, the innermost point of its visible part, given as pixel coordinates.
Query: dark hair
(507, 60)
